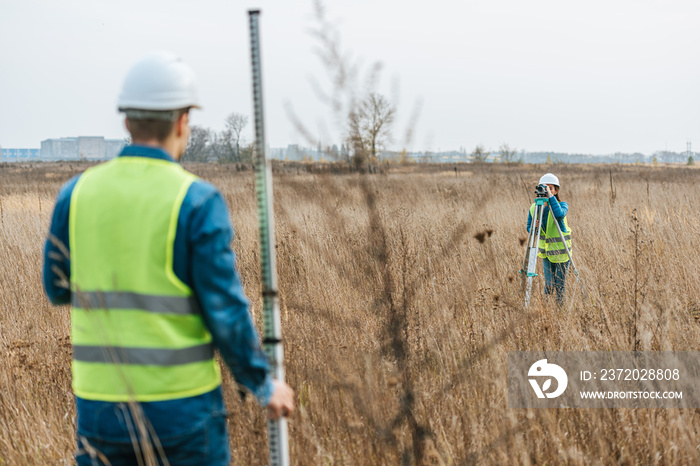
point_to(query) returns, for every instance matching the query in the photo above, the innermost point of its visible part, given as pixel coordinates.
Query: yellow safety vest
(135, 326)
(550, 244)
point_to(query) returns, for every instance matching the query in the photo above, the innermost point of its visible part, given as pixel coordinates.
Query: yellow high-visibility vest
(135, 326)
(550, 244)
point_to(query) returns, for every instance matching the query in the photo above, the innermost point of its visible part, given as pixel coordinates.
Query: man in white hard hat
(555, 260)
(154, 289)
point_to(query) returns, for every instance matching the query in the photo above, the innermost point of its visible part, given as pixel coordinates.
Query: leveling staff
(154, 289)
(555, 260)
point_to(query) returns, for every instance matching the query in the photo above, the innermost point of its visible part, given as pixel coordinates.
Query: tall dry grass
(398, 310)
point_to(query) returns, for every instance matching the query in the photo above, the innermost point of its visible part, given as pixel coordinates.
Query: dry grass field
(400, 299)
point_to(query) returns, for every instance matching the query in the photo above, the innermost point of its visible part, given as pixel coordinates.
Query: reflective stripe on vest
(557, 239)
(135, 326)
(550, 244)
(144, 356)
(124, 300)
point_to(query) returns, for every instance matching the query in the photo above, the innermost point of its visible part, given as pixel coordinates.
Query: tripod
(529, 268)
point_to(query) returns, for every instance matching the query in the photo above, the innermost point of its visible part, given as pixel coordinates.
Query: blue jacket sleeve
(560, 210)
(529, 221)
(224, 306)
(56, 250)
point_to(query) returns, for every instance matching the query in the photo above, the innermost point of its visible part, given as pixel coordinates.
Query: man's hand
(281, 402)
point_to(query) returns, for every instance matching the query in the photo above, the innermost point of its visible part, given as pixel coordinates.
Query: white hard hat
(160, 82)
(549, 179)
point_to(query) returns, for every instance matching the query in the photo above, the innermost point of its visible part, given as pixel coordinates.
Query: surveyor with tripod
(551, 249)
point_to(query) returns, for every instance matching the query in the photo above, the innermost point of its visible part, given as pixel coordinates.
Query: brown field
(397, 320)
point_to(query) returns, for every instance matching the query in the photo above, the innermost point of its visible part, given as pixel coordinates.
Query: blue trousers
(555, 278)
(188, 431)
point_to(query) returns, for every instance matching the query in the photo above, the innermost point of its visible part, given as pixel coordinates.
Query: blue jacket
(203, 260)
(560, 209)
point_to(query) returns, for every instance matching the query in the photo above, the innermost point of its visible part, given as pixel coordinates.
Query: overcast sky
(599, 76)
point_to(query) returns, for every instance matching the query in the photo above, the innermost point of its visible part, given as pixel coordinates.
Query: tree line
(227, 146)
(368, 131)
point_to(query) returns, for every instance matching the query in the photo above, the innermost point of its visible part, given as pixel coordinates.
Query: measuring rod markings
(272, 342)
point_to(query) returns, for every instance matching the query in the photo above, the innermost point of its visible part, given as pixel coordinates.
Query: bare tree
(369, 127)
(480, 154)
(234, 123)
(198, 146)
(377, 117)
(355, 140)
(507, 154)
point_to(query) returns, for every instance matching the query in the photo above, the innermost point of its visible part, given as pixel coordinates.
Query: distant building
(18, 155)
(59, 149)
(90, 147)
(81, 148)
